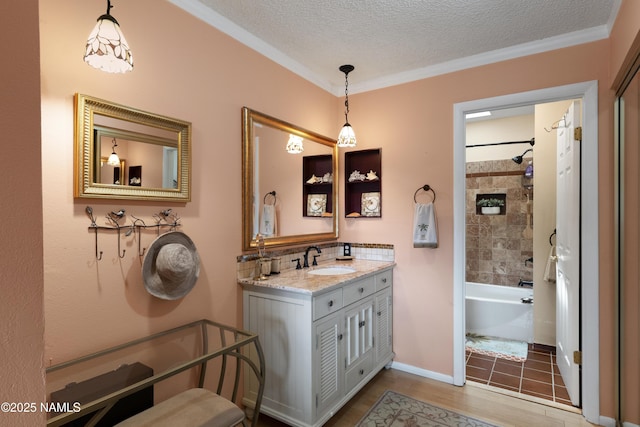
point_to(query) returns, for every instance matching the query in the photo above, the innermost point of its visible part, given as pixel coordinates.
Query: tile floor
(538, 376)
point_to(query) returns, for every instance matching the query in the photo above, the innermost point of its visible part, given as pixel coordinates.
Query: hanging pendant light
(294, 145)
(107, 49)
(347, 137)
(113, 160)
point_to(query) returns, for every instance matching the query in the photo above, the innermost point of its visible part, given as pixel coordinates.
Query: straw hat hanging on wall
(171, 266)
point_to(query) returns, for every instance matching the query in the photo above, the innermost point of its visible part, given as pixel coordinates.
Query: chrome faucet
(306, 256)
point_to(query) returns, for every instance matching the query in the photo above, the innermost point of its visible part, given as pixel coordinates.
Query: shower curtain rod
(532, 141)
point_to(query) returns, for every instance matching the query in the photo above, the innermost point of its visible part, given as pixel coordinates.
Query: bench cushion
(196, 407)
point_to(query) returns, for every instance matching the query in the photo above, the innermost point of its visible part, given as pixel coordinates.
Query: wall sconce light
(294, 145)
(114, 160)
(347, 137)
(107, 49)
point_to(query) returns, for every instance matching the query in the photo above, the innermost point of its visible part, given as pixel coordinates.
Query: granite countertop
(301, 281)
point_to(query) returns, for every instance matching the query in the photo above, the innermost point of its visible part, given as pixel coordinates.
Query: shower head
(518, 159)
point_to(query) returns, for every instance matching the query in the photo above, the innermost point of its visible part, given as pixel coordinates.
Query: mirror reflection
(126, 153)
(289, 194)
(131, 153)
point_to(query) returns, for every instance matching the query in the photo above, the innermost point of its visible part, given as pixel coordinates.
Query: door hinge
(577, 357)
(577, 133)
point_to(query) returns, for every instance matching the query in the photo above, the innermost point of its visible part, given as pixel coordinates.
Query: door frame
(589, 270)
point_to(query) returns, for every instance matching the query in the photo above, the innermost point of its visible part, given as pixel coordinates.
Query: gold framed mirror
(153, 153)
(300, 190)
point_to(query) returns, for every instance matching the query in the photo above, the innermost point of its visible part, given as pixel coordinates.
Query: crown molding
(238, 33)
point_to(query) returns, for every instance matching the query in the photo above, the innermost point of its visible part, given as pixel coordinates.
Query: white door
(568, 252)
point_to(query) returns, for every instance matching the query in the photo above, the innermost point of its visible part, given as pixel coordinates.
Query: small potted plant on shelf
(490, 206)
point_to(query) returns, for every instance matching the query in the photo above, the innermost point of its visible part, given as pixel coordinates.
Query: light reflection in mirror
(157, 157)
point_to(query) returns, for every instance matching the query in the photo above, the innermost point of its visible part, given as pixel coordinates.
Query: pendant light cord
(346, 97)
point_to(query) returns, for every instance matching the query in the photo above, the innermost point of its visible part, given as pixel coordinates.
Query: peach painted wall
(183, 69)
(206, 80)
(21, 264)
(413, 123)
(625, 40)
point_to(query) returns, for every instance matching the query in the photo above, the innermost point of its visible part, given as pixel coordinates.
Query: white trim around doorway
(590, 317)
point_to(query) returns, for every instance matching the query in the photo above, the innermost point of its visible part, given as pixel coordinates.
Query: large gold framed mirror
(287, 198)
(126, 153)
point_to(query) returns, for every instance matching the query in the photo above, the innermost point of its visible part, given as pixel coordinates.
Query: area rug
(397, 410)
(497, 347)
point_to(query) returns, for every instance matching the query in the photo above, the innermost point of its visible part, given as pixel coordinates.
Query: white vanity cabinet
(320, 347)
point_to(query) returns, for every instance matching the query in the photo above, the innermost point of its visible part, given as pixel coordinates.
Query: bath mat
(397, 410)
(497, 347)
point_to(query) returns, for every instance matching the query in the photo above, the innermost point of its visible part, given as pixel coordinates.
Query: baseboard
(607, 422)
(422, 372)
(610, 422)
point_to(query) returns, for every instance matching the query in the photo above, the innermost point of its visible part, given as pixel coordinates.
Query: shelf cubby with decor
(317, 186)
(363, 186)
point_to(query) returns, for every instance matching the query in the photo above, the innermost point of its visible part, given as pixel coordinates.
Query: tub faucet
(306, 256)
(523, 283)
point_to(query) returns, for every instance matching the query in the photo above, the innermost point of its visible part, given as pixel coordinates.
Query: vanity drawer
(384, 279)
(356, 374)
(327, 303)
(358, 290)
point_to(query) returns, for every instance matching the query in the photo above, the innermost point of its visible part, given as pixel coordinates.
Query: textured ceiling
(394, 41)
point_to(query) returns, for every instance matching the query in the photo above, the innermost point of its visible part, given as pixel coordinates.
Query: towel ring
(425, 187)
(551, 236)
(272, 193)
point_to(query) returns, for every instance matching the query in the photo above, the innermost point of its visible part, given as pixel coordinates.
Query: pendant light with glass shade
(295, 145)
(113, 160)
(347, 137)
(107, 49)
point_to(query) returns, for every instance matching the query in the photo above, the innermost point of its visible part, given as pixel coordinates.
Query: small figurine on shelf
(356, 176)
(372, 176)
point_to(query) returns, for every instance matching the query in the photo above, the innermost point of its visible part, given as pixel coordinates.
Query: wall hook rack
(164, 219)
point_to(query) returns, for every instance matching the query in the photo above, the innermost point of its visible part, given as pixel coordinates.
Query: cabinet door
(328, 369)
(384, 328)
(358, 332)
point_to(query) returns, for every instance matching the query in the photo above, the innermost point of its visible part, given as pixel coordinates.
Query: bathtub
(498, 311)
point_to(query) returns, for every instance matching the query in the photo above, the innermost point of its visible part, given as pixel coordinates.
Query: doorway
(589, 253)
(510, 305)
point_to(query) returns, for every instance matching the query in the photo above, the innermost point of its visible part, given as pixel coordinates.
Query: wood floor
(473, 400)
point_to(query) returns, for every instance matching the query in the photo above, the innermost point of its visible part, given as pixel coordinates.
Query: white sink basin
(332, 271)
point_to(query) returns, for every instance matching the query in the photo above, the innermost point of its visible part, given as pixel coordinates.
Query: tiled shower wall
(496, 248)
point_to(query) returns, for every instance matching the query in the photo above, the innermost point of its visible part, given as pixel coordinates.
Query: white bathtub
(498, 311)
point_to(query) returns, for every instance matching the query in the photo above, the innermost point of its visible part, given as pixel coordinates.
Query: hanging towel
(268, 220)
(425, 229)
(550, 269)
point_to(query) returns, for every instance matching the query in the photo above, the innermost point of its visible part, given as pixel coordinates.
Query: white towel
(550, 268)
(425, 228)
(268, 220)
